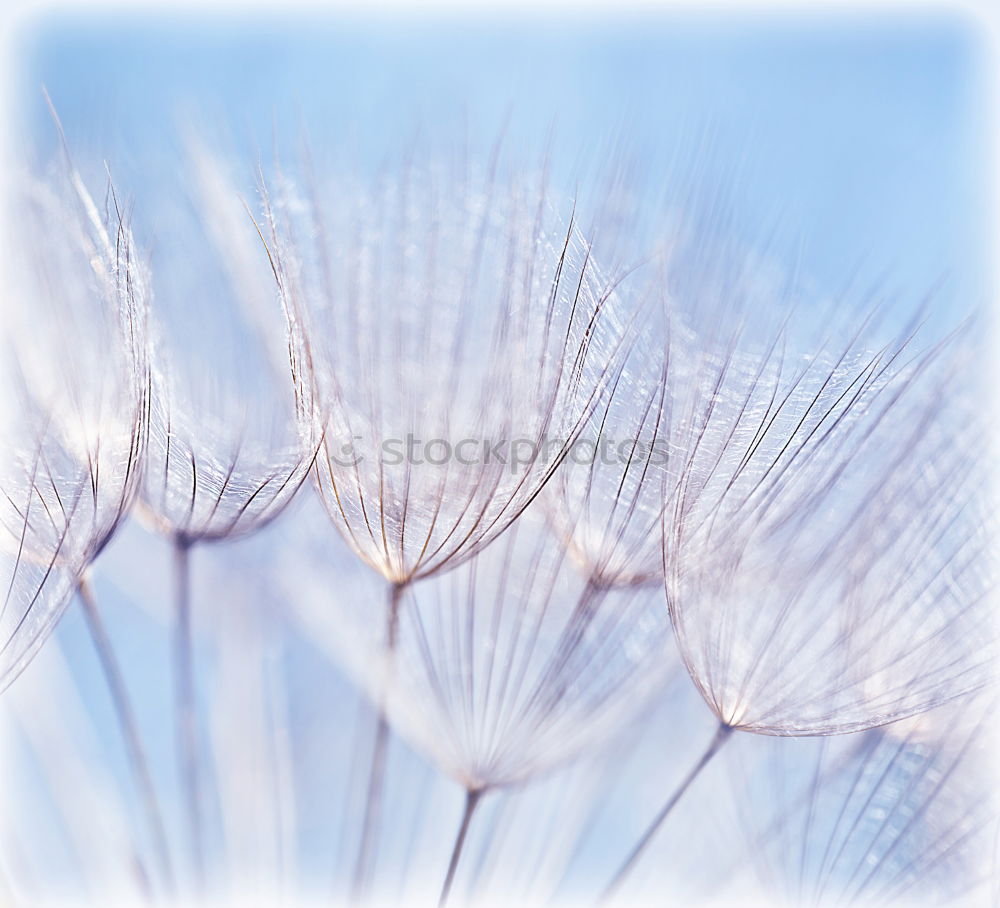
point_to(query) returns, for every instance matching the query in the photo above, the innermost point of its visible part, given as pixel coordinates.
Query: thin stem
(115, 681)
(722, 735)
(187, 733)
(376, 778)
(472, 798)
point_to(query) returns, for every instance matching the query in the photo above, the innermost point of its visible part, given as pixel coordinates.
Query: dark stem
(722, 735)
(376, 778)
(115, 681)
(472, 798)
(187, 732)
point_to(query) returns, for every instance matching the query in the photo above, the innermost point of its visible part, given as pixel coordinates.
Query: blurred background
(857, 148)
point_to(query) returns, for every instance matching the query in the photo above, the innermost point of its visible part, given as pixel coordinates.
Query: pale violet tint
(224, 453)
(827, 552)
(73, 449)
(663, 232)
(448, 305)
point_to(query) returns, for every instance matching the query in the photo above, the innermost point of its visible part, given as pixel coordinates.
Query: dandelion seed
(440, 307)
(460, 309)
(75, 437)
(609, 509)
(869, 818)
(82, 377)
(850, 564)
(224, 457)
(511, 665)
(825, 558)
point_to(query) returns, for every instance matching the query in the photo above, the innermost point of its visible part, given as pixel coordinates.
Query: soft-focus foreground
(469, 523)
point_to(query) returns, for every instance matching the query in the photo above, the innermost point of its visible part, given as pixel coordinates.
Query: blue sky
(865, 139)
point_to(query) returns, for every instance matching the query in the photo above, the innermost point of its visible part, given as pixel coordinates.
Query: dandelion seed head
(437, 307)
(823, 572)
(225, 456)
(873, 817)
(568, 665)
(73, 442)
